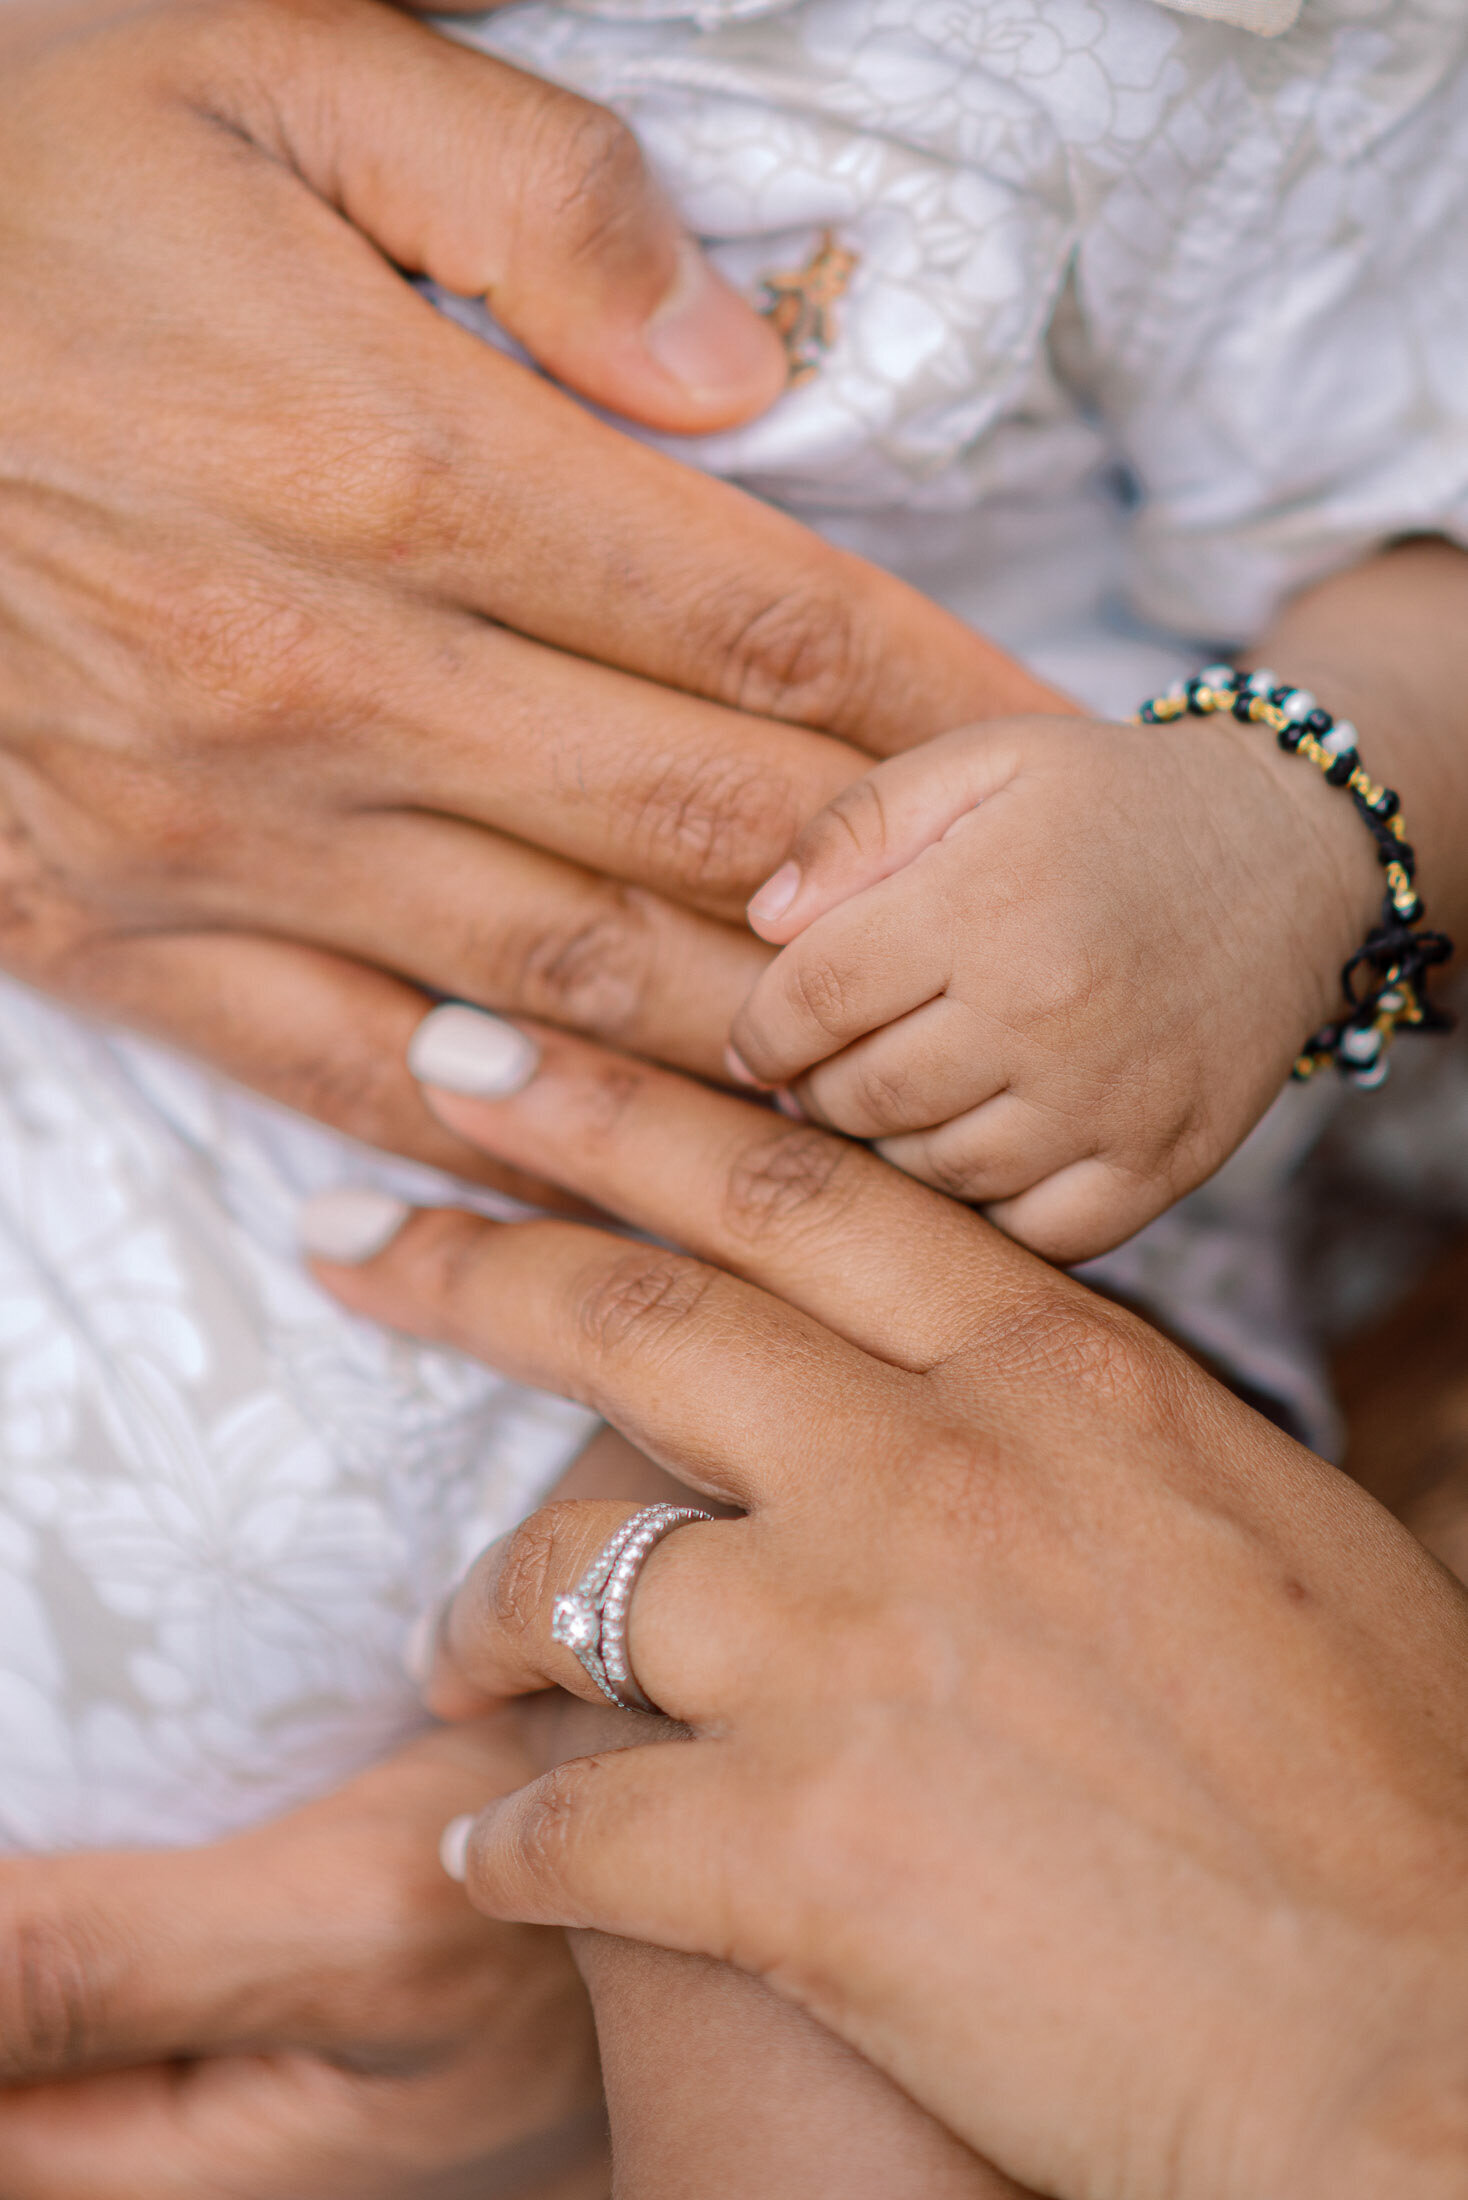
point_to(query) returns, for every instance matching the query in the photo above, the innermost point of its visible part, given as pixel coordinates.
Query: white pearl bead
(1361, 1046)
(1260, 683)
(1217, 676)
(1341, 738)
(1368, 1079)
(1298, 706)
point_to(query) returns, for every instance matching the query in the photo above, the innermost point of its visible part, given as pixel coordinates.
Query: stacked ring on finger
(591, 1619)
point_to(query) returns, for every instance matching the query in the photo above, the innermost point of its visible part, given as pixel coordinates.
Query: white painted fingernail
(467, 1050)
(453, 1846)
(421, 1647)
(350, 1224)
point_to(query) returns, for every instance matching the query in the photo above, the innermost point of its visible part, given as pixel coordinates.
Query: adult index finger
(627, 557)
(891, 1265)
(662, 1346)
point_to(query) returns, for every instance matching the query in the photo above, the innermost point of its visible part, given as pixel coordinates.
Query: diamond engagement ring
(592, 1620)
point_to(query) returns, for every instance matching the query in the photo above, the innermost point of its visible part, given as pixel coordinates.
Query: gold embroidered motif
(801, 306)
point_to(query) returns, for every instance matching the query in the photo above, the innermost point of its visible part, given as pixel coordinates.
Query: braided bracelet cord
(1384, 982)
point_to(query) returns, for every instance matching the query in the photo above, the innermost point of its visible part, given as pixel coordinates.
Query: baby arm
(1061, 968)
(714, 2085)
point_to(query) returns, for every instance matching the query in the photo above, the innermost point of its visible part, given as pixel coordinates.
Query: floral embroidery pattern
(222, 1501)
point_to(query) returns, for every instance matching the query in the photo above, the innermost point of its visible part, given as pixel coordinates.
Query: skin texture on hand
(713, 2083)
(1060, 968)
(343, 656)
(1080, 1749)
(311, 2008)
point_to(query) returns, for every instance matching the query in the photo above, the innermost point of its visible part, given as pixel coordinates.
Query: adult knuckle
(778, 1181)
(587, 174)
(799, 654)
(1068, 1342)
(640, 1301)
(346, 1082)
(445, 1258)
(716, 824)
(245, 645)
(44, 931)
(50, 1992)
(521, 1582)
(390, 474)
(594, 974)
(548, 1829)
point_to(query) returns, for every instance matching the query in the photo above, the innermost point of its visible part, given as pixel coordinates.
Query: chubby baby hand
(1058, 967)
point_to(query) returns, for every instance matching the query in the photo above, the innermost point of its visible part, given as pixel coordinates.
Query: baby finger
(940, 1061)
(997, 1151)
(858, 967)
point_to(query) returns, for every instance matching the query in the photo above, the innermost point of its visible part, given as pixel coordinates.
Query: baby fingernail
(421, 1646)
(350, 1224)
(453, 1847)
(738, 1068)
(776, 895)
(467, 1050)
(787, 1103)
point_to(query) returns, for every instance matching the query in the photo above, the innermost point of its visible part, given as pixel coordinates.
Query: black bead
(1318, 722)
(1387, 803)
(1193, 690)
(1290, 737)
(1341, 768)
(1242, 706)
(1147, 715)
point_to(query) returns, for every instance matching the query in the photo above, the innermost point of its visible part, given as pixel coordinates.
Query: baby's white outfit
(1153, 318)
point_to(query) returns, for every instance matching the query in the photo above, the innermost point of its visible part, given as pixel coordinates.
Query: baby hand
(1057, 967)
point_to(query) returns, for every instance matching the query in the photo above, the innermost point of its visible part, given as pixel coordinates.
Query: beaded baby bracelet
(1395, 957)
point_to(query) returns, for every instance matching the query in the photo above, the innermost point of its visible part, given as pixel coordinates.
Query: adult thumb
(501, 186)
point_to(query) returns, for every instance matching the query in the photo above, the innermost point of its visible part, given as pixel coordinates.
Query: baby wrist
(1383, 982)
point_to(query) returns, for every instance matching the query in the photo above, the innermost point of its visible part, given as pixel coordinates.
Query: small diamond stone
(574, 1622)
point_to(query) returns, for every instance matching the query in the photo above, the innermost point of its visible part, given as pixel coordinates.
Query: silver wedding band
(591, 1620)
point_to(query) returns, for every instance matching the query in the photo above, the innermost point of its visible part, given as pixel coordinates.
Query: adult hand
(1090, 1756)
(318, 613)
(310, 2009)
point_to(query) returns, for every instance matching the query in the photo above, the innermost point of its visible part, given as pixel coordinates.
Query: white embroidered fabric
(1153, 319)
(223, 1501)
